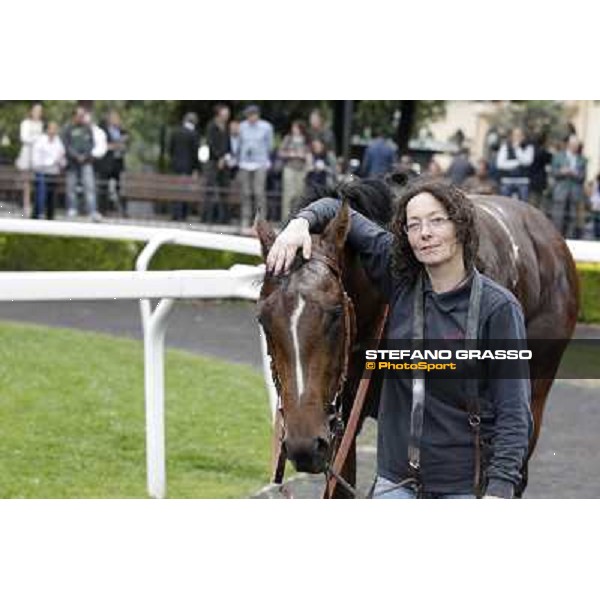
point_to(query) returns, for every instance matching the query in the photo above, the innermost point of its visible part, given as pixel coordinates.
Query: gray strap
(471, 335)
(418, 382)
(418, 377)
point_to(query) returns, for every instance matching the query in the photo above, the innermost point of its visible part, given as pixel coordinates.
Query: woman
(294, 153)
(321, 167)
(425, 267)
(31, 129)
(48, 159)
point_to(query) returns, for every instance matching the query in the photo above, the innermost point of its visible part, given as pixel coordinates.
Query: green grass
(72, 419)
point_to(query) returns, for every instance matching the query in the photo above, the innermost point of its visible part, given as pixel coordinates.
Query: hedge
(39, 253)
(589, 280)
(20, 252)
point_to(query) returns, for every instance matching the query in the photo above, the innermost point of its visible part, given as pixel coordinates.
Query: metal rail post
(154, 324)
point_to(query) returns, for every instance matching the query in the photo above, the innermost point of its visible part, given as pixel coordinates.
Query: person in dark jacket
(427, 261)
(184, 157)
(217, 172)
(113, 162)
(379, 157)
(460, 168)
(538, 172)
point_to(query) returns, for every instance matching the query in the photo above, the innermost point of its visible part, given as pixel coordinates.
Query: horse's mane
(370, 197)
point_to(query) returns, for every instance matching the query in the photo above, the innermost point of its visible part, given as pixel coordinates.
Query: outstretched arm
(372, 242)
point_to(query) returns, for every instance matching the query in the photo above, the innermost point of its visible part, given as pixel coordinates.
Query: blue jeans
(45, 189)
(86, 173)
(520, 189)
(404, 493)
(40, 195)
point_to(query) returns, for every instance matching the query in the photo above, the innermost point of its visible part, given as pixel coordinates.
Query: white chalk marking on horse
(294, 330)
(514, 247)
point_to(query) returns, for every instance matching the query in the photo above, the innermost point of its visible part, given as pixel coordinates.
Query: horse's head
(308, 320)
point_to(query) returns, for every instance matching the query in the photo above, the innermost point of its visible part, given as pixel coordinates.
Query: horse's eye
(332, 317)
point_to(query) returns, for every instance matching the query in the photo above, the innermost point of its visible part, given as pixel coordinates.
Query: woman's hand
(295, 235)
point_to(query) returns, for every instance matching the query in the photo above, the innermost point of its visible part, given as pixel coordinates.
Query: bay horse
(317, 360)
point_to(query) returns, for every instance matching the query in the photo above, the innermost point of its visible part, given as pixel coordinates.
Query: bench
(11, 183)
(152, 188)
(161, 187)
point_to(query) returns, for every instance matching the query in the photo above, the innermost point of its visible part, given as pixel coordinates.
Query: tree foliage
(536, 117)
(385, 115)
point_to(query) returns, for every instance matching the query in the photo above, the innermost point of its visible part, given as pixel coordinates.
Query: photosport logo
(491, 359)
(417, 360)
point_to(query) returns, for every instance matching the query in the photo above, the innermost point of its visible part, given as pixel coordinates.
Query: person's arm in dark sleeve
(366, 166)
(67, 144)
(511, 399)
(372, 242)
(580, 170)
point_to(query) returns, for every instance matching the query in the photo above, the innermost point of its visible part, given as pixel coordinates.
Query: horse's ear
(338, 228)
(266, 235)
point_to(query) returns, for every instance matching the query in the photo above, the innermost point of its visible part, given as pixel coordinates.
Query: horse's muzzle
(307, 455)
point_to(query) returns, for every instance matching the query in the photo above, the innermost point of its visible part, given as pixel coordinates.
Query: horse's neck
(366, 299)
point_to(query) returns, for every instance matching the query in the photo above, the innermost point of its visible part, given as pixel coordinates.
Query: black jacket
(184, 150)
(447, 442)
(218, 141)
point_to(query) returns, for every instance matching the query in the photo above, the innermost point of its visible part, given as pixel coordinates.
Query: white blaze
(294, 330)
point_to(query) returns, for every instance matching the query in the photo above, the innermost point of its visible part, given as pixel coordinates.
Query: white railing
(241, 281)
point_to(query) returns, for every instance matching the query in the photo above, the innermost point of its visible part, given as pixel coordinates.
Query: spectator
(184, 157)
(568, 196)
(408, 166)
(321, 170)
(491, 149)
(232, 159)
(514, 160)
(114, 160)
(595, 205)
(217, 172)
(48, 158)
(318, 130)
(379, 157)
(256, 144)
(98, 154)
(294, 152)
(434, 169)
(538, 172)
(31, 129)
(481, 182)
(460, 168)
(78, 139)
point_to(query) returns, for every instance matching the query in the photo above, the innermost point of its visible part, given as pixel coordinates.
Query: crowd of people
(245, 149)
(551, 177)
(271, 176)
(84, 150)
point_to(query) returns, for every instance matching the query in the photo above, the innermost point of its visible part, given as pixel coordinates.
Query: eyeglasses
(435, 224)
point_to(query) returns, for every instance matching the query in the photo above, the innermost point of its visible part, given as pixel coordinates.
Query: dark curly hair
(405, 267)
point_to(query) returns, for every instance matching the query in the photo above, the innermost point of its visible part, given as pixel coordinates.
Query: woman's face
(431, 235)
(36, 112)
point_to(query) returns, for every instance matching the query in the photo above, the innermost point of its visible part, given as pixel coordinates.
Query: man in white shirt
(48, 158)
(513, 162)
